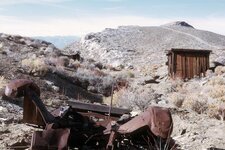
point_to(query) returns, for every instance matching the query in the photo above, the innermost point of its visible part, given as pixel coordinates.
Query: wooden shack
(187, 63)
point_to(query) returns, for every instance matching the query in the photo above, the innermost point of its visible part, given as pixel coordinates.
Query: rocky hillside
(60, 77)
(140, 46)
(132, 61)
(36, 58)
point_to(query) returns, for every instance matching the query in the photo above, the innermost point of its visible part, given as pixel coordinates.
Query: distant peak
(179, 23)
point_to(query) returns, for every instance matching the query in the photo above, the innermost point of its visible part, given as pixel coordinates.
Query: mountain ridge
(58, 41)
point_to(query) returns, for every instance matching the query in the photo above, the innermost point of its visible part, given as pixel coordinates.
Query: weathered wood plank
(188, 63)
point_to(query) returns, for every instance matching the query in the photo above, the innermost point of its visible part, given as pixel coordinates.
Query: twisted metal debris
(89, 126)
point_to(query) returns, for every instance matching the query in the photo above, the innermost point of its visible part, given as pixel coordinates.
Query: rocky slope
(141, 46)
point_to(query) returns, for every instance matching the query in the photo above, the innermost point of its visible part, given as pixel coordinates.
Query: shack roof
(188, 50)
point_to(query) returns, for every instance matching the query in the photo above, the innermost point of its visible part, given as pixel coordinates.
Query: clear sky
(78, 17)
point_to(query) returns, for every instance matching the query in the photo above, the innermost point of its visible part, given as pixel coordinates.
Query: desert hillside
(140, 46)
(127, 63)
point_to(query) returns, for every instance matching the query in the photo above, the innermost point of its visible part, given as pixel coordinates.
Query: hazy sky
(78, 17)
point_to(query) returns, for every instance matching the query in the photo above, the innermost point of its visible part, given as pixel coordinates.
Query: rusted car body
(89, 126)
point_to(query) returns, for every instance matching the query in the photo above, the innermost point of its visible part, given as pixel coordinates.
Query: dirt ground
(198, 131)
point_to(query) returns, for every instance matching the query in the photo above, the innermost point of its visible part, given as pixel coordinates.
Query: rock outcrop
(15, 45)
(179, 23)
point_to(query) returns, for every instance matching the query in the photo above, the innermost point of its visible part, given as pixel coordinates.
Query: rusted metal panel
(97, 108)
(50, 139)
(31, 114)
(158, 120)
(17, 88)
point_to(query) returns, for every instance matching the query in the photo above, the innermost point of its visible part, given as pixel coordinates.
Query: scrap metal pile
(90, 126)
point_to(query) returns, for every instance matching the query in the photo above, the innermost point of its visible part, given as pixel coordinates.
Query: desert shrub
(3, 82)
(192, 87)
(35, 66)
(203, 95)
(195, 103)
(137, 99)
(85, 74)
(75, 64)
(221, 99)
(105, 86)
(58, 61)
(125, 74)
(199, 107)
(216, 80)
(219, 70)
(177, 99)
(130, 74)
(213, 110)
(217, 91)
(98, 72)
(97, 81)
(176, 85)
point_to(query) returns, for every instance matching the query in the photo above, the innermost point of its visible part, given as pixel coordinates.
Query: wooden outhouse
(187, 63)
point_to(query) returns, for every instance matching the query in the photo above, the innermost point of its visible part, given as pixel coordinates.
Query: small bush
(130, 74)
(213, 110)
(219, 70)
(75, 64)
(58, 61)
(217, 91)
(199, 107)
(137, 99)
(216, 80)
(3, 82)
(96, 80)
(177, 99)
(98, 72)
(193, 102)
(177, 85)
(35, 66)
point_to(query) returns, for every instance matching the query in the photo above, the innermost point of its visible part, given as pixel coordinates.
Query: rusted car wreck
(90, 126)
